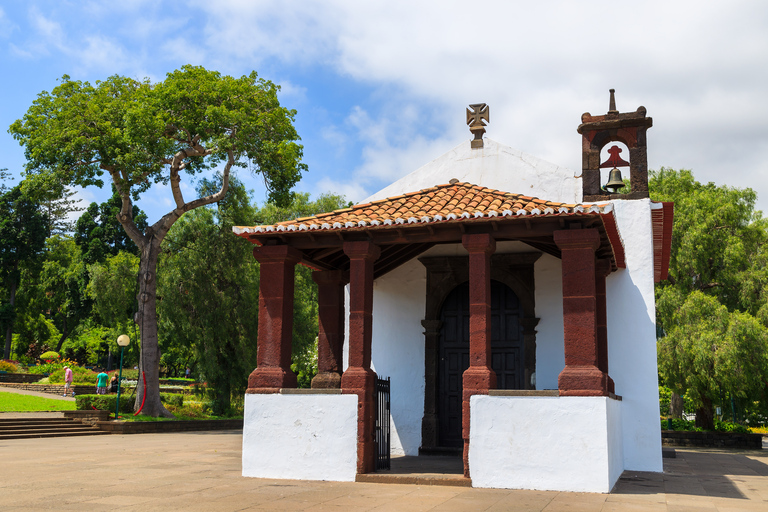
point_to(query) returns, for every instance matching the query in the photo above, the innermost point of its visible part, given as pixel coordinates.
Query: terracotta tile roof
(442, 203)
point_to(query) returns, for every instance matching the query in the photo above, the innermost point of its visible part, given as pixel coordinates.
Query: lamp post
(123, 340)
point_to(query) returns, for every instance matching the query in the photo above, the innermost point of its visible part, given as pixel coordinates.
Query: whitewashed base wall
(300, 436)
(545, 443)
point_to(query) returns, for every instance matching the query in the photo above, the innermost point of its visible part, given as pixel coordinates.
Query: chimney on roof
(596, 133)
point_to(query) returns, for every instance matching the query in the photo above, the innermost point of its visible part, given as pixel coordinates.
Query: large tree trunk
(64, 336)
(9, 327)
(676, 406)
(705, 415)
(149, 360)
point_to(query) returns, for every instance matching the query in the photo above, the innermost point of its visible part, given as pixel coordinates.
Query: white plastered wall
(495, 166)
(550, 355)
(545, 443)
(631, 311)
(398, 350)
(300, 436)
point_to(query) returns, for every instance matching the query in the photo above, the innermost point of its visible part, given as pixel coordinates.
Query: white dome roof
(494, 166)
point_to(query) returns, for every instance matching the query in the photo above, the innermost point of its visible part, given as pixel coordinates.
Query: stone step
(30, 428)
(63, 430)
(30, 421)
(415, 479)
(64, 433)
(59, 425)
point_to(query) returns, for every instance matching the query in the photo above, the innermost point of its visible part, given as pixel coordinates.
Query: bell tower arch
(598, 131)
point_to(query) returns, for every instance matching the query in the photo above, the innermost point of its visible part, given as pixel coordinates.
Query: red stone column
(581, 375)
(602, 269)
(273, 359)
(359, 378)
(479, 377)
(330, 338)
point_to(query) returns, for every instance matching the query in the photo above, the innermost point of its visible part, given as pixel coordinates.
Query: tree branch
(178, 164)
(125, 215)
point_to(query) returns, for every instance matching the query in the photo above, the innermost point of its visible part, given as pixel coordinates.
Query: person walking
(101, 383)
(68, 376)
(113, 383)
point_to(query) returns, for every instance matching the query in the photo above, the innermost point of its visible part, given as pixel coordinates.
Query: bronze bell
(614, 181)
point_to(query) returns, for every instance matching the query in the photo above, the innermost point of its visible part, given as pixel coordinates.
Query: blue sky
(380, 87)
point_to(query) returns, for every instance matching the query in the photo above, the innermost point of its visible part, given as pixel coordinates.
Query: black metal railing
(382, 423)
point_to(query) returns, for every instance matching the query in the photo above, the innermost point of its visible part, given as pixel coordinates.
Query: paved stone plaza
(201, 471)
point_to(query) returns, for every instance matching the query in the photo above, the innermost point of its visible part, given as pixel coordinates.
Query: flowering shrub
(52, 366)
(8, 366)
(49, 356)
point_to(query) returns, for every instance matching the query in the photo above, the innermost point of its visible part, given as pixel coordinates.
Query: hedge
(80, 376)
(107, 402)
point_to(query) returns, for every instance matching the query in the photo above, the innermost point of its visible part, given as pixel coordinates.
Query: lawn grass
(13, 402)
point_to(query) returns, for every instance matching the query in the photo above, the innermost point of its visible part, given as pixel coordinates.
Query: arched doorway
(507, 352)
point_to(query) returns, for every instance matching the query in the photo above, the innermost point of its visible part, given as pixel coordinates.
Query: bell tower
(597, 132)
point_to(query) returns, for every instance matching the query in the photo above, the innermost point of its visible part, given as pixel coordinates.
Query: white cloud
(697, 67)
(350, 189)
(7, 27)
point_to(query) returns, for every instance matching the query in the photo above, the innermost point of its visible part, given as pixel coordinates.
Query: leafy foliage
(113, 288)
(80, 375)
(7, 366)
(714, 339)
(690, 426)
(99, 234)
(23, 230)
(143, 134)
(209, 287)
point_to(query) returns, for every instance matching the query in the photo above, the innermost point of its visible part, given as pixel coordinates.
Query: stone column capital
(269, 253)
(602, 267)
(529, 325)
(330, 277)
(361, 250)
(577, 239)
(483, 243)
(431, 327)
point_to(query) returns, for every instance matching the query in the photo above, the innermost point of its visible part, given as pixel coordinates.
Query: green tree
(4, 176)
(112, 287)
(61, 286)
(22, 238)
(209, 289)
(711, 342)
(99, 234)
(143, 134)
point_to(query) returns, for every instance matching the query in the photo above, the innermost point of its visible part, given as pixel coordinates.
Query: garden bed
(711, 439)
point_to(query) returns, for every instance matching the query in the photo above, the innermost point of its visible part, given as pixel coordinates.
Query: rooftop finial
(612, 103)
(476, 119)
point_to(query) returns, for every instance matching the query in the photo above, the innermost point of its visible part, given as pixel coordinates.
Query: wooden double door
(507, 353)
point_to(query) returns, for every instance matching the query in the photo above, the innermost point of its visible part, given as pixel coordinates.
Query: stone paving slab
(200, 471)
